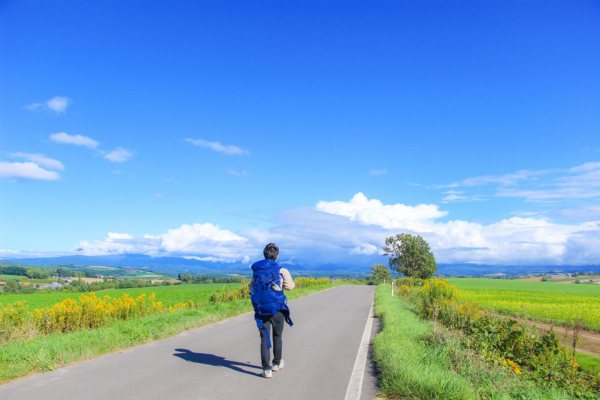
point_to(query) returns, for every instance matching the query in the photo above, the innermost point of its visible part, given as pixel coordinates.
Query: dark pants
(276, 321)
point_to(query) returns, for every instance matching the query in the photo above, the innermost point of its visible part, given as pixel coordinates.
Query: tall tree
(410, 256)
(379, 272)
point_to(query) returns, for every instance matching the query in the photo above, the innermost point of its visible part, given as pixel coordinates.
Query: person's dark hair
(271, 251)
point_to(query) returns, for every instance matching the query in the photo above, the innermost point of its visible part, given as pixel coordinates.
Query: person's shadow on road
(211, 359)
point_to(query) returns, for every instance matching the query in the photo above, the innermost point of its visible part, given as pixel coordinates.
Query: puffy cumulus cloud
(374, 212)
(58, 104)
(25, 170)
(515, 240)
(206, 242)
(353, 233)
(366, 249)
(77, 140)
(118, 155)
(217, 146)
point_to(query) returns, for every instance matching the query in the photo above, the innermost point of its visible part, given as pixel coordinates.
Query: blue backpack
(267, 295)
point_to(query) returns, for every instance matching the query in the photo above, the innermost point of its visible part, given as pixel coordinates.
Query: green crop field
(562, 303)
(12, 276)
(169, 295)
(482, 283)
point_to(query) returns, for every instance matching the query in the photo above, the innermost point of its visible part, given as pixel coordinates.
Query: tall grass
(412, 366)
(90, 311)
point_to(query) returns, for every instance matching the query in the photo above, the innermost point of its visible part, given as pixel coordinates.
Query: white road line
(356, 380)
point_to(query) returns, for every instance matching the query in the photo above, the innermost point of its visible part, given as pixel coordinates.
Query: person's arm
(288, 282)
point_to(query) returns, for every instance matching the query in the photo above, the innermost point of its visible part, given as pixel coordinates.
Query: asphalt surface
(222, 360)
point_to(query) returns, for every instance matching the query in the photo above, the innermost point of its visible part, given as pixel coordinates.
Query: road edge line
(358, 372)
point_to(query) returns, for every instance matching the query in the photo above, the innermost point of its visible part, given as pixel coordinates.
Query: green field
(546, 301)
(12, 276)
(483, 283)
(589, 364)
(169, 295)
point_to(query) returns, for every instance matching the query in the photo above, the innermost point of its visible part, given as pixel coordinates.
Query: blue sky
(475, 124)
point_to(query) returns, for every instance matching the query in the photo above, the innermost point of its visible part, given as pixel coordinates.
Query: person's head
(271, 251)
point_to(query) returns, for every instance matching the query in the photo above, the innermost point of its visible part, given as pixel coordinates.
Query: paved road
(222, 361)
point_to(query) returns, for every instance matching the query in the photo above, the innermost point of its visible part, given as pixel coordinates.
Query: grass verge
(588, 363)
(21, 359)
(412, 366)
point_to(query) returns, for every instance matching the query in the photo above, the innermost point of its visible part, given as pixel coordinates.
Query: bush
(503, 341)
(12, 270)
(36, 273)
(226, 295)
(303, 282)
(70, 315)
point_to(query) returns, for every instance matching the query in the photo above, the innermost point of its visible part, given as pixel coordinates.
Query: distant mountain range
(175, 265)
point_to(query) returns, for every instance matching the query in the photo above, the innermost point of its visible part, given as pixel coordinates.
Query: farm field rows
(547, 301)
(168, 295)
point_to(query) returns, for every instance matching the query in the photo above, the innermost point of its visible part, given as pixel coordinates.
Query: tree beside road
(410, 256)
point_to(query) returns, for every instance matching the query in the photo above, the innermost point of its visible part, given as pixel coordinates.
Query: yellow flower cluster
(227, 295)
(514, 367)
(405, 290)
(180, 305)
(90, 311)
(437, 299)
(304, 282)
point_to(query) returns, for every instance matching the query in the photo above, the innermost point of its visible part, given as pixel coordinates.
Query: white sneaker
(278, 367)
(267, 373)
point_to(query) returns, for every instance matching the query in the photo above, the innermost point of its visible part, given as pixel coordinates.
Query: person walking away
(269, 281)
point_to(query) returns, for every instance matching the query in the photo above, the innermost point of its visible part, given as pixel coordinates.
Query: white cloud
(584, 212)
(378, 171)
(366, 249)
(236, 173)
(454, 197)
(353, 232)
(373, 212)
(216, 146)
(511, 241)
(118, 155)
(457, 195)
(506, 179)
(77, 140)
(197, 240)
(25, 170)
(159, 196)
(549, 185)
(115, 235)
(57, 104)
(40, 160)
